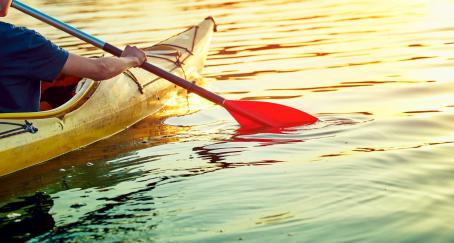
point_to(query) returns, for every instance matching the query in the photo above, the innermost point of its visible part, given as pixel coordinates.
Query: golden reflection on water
(378, 75)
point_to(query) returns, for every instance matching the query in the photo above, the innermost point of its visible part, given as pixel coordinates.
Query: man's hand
(4, 6)
(136, 54)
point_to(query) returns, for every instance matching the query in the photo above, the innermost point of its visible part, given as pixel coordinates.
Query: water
(377, 167)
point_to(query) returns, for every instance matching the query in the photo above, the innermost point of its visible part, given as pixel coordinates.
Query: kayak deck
(102, 109)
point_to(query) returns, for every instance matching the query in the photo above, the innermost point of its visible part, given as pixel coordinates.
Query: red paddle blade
(256, 114)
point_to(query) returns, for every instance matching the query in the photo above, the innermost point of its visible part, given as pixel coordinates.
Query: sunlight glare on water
(376, 167)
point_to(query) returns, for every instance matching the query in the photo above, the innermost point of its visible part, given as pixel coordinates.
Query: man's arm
(105, 67)
(4, 6)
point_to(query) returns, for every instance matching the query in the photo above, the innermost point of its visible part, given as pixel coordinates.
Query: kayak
(97, 110)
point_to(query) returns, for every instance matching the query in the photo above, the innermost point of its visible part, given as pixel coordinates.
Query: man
(27, 58)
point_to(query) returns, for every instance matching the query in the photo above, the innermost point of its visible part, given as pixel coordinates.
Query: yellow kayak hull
(102, 109)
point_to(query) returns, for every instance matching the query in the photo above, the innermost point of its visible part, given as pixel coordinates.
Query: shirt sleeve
(45, 59)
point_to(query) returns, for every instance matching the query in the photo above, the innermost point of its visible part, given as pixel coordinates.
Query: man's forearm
(105, 67)
(97, 68)
(112, 66)
(4, 6)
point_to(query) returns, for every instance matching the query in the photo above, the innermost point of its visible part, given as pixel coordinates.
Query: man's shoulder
(7, 27)
(20, 39)
(9, 31)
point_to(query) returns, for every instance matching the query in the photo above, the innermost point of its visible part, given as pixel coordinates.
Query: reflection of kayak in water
(97, 110)
(23, 219)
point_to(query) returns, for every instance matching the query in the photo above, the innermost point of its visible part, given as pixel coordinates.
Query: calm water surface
(377, 167)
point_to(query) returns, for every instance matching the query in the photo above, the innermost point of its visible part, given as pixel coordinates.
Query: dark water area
(377, 166)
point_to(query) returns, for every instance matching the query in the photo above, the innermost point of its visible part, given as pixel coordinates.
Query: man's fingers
(134, 51)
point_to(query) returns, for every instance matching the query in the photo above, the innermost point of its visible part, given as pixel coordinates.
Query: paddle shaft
(191, 87)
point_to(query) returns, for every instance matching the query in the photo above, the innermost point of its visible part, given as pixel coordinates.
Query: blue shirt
(26, 59)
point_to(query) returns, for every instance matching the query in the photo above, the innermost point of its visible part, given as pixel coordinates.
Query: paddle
(249, 114)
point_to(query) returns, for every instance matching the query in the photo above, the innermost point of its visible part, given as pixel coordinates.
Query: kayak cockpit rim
(85, 89)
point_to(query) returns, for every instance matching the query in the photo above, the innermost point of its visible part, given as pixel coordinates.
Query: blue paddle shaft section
(58, 24)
